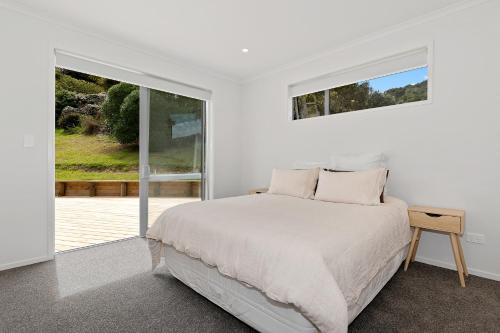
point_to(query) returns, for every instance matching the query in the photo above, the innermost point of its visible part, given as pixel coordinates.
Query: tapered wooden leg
(412, 246)
(458, 261)
(416, 245)
(462, 259)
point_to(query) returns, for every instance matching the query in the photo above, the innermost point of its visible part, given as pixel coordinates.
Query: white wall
(443, 154)
(26, 87)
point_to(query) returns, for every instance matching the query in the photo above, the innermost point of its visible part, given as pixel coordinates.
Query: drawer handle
(433, 215)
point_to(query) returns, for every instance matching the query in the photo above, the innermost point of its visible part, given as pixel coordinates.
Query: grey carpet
(110, 288)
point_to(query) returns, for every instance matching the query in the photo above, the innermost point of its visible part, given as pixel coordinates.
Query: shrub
(90, 125)
(104, 82)
(69, 121)
(64, 81)
(112, 103)
(64, 98)
(126, 129)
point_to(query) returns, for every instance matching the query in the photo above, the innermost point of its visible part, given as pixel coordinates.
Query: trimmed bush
(90, 125)
(111, 106)
(69, 121)
(64, 98)
(126, 129)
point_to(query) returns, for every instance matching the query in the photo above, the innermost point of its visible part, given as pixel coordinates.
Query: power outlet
(475, 238)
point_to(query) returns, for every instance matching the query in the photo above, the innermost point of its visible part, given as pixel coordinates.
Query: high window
(396, 80)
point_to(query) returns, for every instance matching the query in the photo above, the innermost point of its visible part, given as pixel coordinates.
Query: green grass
(94, 157)
(100, 157)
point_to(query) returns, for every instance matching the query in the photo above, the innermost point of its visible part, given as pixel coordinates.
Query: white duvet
(316, 255)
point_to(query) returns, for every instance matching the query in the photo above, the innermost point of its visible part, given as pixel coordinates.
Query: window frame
(430, 74)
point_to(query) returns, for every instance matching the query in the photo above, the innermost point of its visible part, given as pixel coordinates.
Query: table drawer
(436, 222)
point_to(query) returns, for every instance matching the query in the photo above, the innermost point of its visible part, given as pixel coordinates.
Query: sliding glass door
(172, 152)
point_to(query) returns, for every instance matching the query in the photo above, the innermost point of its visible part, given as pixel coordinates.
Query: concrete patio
(85, 221)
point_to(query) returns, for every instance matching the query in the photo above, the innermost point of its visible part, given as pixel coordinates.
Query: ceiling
(211, 33)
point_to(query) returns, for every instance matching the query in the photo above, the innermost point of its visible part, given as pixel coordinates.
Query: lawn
(94, 157)
(100, 157)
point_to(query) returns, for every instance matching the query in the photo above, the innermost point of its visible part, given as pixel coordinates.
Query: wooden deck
(84, 221)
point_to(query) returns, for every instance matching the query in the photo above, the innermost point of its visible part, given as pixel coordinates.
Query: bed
(280, 263)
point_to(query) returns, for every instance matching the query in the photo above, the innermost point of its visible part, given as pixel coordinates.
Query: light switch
(29, 141)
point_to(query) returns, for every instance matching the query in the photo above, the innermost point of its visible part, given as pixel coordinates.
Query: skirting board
(424, 260)
(472, 271)
(25, 262)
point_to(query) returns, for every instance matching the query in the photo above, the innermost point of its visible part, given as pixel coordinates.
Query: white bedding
(317, 256)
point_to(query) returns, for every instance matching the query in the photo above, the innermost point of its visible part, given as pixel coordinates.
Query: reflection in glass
(175, 133)
(176, 139)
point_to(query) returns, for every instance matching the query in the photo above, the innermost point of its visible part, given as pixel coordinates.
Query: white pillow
(296, 183)
(357, 162)
(359, 187)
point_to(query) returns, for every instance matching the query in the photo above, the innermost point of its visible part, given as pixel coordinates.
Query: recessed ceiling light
(244, 50)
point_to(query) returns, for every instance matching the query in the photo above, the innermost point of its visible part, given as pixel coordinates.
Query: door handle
(145, 171)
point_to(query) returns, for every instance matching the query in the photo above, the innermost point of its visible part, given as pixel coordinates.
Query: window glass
(175, 133)
(399, 88)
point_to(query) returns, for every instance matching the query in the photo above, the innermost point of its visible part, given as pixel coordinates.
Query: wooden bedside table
(258, 190)
(439, 219)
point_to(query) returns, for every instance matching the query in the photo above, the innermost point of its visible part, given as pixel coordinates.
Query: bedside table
(258, 190)
(438, 219)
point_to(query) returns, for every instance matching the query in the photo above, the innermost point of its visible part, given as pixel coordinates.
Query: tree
(112, 104)
(126, 129)
(349, 97)
(409, 93)
(377, 99)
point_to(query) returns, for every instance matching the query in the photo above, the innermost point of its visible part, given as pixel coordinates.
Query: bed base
(252, 306)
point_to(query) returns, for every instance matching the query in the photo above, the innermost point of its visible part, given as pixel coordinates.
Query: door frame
(144, 170)
(143, 160)
(132, 73)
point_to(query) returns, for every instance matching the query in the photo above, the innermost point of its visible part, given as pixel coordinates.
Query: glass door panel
(175, 134)
(173, 162)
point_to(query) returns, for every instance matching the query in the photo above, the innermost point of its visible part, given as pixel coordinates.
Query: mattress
(252, 306)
